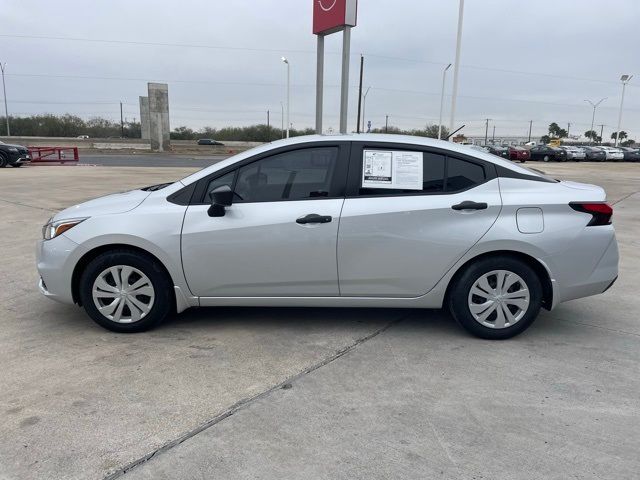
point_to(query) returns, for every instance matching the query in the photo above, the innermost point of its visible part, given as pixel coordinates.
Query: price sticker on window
(401, 170)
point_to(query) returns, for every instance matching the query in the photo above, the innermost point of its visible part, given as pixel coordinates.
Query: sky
(520, 61)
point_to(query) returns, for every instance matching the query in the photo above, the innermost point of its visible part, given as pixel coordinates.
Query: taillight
(601, 212)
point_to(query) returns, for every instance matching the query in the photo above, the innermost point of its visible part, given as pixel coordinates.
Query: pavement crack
(249, 400)
(624, 198)
(28, 206)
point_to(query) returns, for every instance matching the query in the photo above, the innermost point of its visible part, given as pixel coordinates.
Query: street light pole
(625, 79)
(444, 76)
(288, 91)
(364, 106)
(456, 66)
(594, 105)
(4, 91)
(486, 131)
(282, 119)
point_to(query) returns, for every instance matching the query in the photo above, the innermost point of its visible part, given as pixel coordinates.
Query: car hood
(10, 145)
(107, 205)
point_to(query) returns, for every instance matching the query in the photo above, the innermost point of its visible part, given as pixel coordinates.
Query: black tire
(3, 160)
(16, 165)
(459, 295)
(163, 303)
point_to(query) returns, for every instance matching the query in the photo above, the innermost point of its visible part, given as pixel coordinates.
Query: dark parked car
(630, 154)
(547, 153)
(519, 154)
(594, 154)
(14, 155)
(208, 141)
(498, 150)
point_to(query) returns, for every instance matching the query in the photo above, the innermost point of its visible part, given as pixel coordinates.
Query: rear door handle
(314, 218)
(467, 205)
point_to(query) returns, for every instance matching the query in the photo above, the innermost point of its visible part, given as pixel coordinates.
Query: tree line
(67, 125)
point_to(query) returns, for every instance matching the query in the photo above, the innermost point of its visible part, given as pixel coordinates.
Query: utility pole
(493, 137)
(486, 130)
(4, 90)
(386, 124)
(624, 79)
(282, 119)
(268, 127)
(601, 131)
(530, 125)
(568, 129)
(360, 93)
(121, 122)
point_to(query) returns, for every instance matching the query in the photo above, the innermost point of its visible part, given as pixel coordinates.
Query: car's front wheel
(3, 161)
(545, 158)
(125, 291)
(496, 297)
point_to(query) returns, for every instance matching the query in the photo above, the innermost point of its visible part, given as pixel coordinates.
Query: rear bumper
(599, 279)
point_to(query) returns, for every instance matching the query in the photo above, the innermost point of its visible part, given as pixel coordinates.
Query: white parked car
(574, 153)
(613, 153)
(339, 221)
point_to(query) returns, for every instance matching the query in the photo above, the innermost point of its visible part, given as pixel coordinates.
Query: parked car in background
(479, 148)
(594, 154)
(498, 150)
(574, 153)
(261, 229)
(612, 153)
(13, 155)
(519, 154)
(631, 154)
(547, 153)
(209, 141)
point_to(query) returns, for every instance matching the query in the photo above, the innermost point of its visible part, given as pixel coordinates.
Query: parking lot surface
(311, 393)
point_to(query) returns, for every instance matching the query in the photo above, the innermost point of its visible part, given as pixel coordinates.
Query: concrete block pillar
(144, 118)
(159, 116)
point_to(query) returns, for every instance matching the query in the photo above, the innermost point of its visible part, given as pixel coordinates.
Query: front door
(279, 236)
(399, 234)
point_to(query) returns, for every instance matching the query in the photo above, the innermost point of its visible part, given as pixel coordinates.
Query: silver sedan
(337, 221)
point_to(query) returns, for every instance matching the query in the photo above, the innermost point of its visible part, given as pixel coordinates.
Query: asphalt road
(275, 393)
(150, 160)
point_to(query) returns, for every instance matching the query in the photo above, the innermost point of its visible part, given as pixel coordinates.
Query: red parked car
(519, 154)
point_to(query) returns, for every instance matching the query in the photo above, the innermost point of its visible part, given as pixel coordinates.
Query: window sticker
(392, 169)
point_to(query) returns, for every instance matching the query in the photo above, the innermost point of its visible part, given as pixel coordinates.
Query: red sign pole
(330, 16)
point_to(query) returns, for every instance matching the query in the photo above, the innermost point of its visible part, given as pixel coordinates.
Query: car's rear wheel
(125, 291)
(496, 297)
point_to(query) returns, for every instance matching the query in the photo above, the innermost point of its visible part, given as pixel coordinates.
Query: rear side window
(462, 175)
(433, 168)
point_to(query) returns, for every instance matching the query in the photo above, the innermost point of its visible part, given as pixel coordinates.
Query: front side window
(226, 179)
(296, 175)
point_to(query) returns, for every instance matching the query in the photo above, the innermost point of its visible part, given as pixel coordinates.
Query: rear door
(399, 242)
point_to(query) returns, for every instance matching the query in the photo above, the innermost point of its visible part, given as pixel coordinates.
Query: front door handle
(314, 218)
(467, 205)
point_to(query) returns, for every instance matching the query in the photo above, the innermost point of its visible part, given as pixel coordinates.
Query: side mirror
(221, 197)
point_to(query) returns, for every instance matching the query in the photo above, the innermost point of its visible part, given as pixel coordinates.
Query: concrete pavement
(310, 393)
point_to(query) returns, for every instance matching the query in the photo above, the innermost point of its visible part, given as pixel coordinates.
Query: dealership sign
(330, 16)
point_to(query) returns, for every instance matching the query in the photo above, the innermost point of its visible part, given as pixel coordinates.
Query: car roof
(361, 137)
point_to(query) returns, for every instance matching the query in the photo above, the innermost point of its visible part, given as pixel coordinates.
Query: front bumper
(55, 260)
(24, 159)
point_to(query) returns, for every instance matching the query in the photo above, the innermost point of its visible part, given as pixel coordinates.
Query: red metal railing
(53, 154)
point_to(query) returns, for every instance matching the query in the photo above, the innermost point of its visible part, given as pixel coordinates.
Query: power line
(281, 50)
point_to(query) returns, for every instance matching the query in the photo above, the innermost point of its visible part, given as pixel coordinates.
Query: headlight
(53, 229)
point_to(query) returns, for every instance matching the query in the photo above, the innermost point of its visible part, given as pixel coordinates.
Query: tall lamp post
(288, 91)
(4, 91)
(444, 77)
(454, 92)
(624, 79)
(364, 106)
(594, 105)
